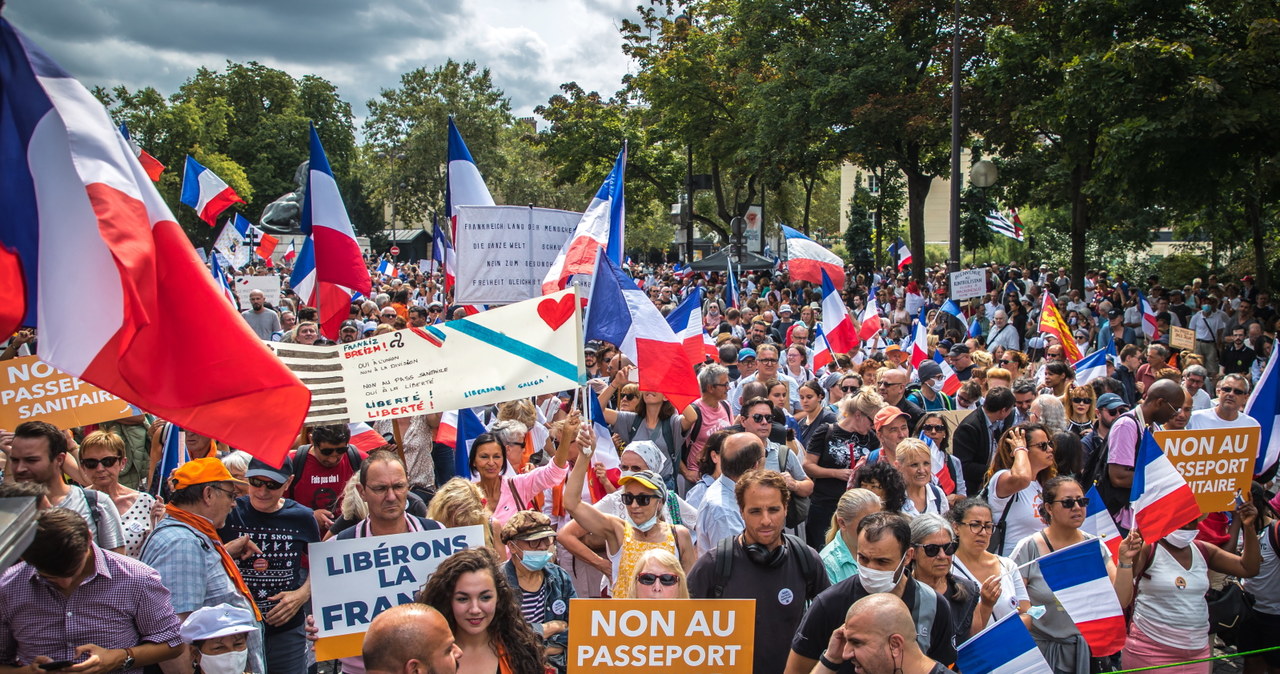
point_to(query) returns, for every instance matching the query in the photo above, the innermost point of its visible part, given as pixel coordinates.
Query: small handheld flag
(204, 191)
(1003, 648)
(1162, 500)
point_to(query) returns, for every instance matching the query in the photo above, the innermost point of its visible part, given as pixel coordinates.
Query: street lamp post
(953, 263)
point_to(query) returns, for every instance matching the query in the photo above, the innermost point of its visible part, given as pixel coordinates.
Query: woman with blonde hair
(839, 555)
(460, 503)
(102, 457)
(915, 461)
(1079, 404)
(659, 576)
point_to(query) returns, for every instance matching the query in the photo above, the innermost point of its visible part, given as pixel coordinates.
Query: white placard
(505, 251)
(269, 285)
(968, 284)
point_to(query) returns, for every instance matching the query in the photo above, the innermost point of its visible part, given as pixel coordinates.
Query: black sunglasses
(761, 418)
(1234, 391)
(628, 396)
(1082, 501)
(931, 428)
(261, 483)
(433, 311)
(106, 461)
(1006, 362)
(642, 500)
(1081, 401)
(330, 451)
(849, 389)
(667, 579)
(932, 549)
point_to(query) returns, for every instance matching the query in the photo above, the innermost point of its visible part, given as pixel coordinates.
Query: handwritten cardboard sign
(33, 390)
(648, 636)
(1182, 338)
(505, 251)
(1216, 463)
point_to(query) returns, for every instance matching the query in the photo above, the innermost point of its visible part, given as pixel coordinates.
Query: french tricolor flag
(604, 215)
(150, 164)
(731, 288)
(1093, 366)
(1078, 577)
(822, 355)
(324, 218)
(836, 323)
(1003, 648)
(464, 185)
(950, 380)
(621, 314)
(204, 191)
(91, 255)
(1162, 500)
(1148, 318)
(686, 321)
(364, 438)
(605, 453)
(900, 253)
(290, 253)
(1264, 406)
(806, 259)
(920, 340)
(469, 427)
(174, 455)
(938, 464)
(220, 277)
(332, 300)
(870, 319)
(1098, 521)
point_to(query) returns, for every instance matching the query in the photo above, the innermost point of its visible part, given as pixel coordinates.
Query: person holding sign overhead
(507, 496)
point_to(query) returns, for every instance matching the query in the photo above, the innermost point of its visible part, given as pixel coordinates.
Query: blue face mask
(1205, 308)
(535, 560)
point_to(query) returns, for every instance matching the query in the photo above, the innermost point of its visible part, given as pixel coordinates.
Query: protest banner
(352, 581)
(235, 249)
(968, 284)
(642, 636)
(269, 285)
(35, 390)
(505, 251)
(1182, 338)
(522, 350)
(1217, 463)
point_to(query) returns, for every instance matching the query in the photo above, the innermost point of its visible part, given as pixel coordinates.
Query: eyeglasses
(1042, 446)
(634, 469)
(228, 492)
(1082, 501)
(433, 311)
(981, 527)
(932, 428)
(766, 360)
(761, 418)
(667, 579)
(379, 490)
(106, 461)
(641, 500)
(1081, 401)
(629, 396)
(887, 384)
(849, 389)
(1232, 390)
(330, 451)
(261, 483)
(539, 544)
(932, 549)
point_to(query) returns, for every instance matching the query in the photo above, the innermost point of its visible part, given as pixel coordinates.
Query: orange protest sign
(648, 636)
(1216, 463)
(31, 389)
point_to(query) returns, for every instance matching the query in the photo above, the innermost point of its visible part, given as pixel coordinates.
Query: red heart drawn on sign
(555, 312)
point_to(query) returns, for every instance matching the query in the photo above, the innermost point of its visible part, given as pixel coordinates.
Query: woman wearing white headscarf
(644, 455)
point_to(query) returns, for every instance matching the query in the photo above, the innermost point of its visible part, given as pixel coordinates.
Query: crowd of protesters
(878, 516)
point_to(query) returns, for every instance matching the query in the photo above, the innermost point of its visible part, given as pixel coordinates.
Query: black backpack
(724, 565)
(1115, 498)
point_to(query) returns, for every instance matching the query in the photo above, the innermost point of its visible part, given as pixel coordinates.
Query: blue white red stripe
(686, 321)
(174, 455)
(204, 191)
(731, 287)
(605, 453)
(1078, 577)
(821, 348)
(806, 259)
(119, 296)
(1148, 318)
(464, 185)
(870, 320)
(900, 253)
(603, 216)
(920, 340)
(1264, 406)
(938, 461)
(324, 218)
(469, 428)
(150, 164)
(1003, 648)
(1098, 521)
(836, 323)
(364, 438)
(1162, 501)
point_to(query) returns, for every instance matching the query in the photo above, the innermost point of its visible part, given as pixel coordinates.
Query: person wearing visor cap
(644, 495)
(544, 588)
(219, 638)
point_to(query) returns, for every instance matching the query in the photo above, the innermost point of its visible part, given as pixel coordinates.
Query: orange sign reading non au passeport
(649, 636)
(1217, 463)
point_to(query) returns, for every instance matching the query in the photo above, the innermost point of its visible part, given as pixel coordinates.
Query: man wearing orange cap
(185, 549)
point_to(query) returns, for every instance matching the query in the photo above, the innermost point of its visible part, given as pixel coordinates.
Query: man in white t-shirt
(1233, 391)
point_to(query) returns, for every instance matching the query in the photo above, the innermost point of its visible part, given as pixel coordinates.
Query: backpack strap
(807, 567)
(520, 504)
(1275, 537)
(926, 609)
(299, 460)
(724, 566)
(91, 498)
(693, 432)
(353, 457)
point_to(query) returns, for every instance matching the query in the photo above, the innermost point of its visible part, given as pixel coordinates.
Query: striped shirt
(533, 605)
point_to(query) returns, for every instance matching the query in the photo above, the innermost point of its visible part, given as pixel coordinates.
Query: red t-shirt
(319, 487)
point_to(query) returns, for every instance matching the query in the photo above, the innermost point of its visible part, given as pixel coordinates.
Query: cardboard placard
(1216, 463)
(646, 636)
(352, 581)
(968, 284)
(269, 285)
(1182, 338)
(33, 390)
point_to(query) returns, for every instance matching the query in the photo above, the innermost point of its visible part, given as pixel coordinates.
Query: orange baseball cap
(886, 415)
(201, 471)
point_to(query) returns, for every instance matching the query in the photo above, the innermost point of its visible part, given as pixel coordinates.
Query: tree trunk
(1253, 218)
(917, 191)
(1080, 215)
(809, 185)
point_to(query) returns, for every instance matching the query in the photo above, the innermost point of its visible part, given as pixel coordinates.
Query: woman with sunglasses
(102, 457)
(934, 427)
(1022, 464)
(1079, 405)
(629, 398)
(1015, 362)
(645, 525)
(659, 576)
(848, 384)
(1063, 511)
(935, 545)
(1001, 588)
(833, 450)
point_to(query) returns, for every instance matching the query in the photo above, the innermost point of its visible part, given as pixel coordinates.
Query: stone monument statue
(284, 215)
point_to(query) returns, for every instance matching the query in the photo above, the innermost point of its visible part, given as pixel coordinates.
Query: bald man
(877, 637)
(410, 639)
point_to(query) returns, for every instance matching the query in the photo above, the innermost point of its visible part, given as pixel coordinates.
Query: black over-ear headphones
(765, 557)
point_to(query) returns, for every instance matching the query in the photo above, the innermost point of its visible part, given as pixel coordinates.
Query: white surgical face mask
(647, 524)
(935, 384)
(875, 580)
(1181, 538)
(231, 662)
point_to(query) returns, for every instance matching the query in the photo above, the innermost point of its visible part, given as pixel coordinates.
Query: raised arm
(585, 514)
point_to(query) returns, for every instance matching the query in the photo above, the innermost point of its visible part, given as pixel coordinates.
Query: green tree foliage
(858, 237)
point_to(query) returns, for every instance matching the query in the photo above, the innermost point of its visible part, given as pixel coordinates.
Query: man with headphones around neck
(777, 570)
(884, 559)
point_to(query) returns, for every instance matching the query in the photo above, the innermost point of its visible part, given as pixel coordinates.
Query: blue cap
(746, 352)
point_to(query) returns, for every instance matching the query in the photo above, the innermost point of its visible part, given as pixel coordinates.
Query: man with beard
(263, 321)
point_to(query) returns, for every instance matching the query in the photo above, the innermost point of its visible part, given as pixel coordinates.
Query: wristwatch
(833, 666)
(128, 660)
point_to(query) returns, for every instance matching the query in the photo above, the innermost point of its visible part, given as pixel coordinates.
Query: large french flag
(806, 259)
(621, 314)
(464, 185)
(920, 340)
(900, 253)
(1264, 406)
(950, 380)
(686, 321)
(1003, 648)
(870, 318)
(603, 216)
(150, 164)
(91, 255)
(332, 300)
(1078, 577)
(1162, 500)
(836, 324)
(1098, 521)
(204, 191)
(324, 219)
(303, 279)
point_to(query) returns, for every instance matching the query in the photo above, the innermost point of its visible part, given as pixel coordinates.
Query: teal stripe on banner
(518, 348)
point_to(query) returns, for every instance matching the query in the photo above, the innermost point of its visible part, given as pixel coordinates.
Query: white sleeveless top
(1170, 606)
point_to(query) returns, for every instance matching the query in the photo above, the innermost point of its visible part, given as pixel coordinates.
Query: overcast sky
(531, 46)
